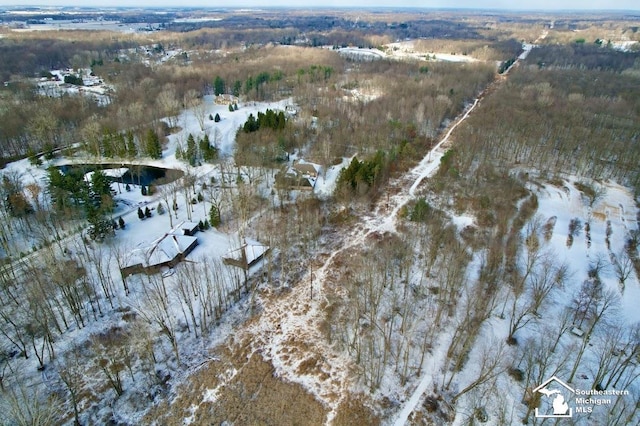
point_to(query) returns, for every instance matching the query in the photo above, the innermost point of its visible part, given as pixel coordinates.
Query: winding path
(289, 324)
(427, 381)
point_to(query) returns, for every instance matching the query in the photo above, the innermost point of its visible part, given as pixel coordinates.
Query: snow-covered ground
(93, 86)
(293, 317)
(616, 209)
(89, 25)
(406, 50)
(213, 245)
(402, 50)
(624, 45)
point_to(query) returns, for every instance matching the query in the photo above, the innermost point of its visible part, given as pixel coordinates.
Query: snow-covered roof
(254, 252)
(162, 250)
(185, 226)
(247, 254)
(306, 168)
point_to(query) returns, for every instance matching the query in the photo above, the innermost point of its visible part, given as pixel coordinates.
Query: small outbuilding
(246, 255)
(187, 228)
(225, 99)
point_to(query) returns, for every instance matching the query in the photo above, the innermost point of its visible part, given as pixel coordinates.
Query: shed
(188, 228)
(246, 255)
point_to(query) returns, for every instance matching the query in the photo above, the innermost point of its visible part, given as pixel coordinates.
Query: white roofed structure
(167, 251)
(246, 255)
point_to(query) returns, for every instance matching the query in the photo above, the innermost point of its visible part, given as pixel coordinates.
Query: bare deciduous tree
(156, 309)
(28, 406)
(492, 363)
(599, 308)
(622, 266)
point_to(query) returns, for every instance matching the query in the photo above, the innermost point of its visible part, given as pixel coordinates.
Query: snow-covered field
(406, 50)
(616, 209)
(403, 50)
(89, 25)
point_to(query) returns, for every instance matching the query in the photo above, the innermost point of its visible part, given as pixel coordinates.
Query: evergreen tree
(73, 79)
(248, 84)
(100, 183)
(218, 86)
(68, 191)
(362, 172)
(160, 209)
(206, 224)
(100, 192)
(107, 144)
(192, 152)
(120, 145)
(214, 216)
(100, 228)
(208, 152)
(140, 214)
(217, 118)
(237, 87)
(34, 159)
(211, 117)
(421, 211)
(121, 222)
(132, 151)
(201, 226)
(143, 190)
(281, 121)
(147, 212)
(48, 150)
(251, 125)
(231, 108)
(262, 78)
(154, 149)
(348, 176)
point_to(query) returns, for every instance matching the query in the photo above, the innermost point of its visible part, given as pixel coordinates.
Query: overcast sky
(473, 4)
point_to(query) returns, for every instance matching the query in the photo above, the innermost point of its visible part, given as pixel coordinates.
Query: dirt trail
(427, 381)
(288, 331)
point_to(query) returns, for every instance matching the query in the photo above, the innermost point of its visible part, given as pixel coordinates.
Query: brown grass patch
(353, 410)
(254, 396)
(309, 367)
(257, 396)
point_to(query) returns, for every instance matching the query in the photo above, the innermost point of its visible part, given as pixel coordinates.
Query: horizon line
(320, 7)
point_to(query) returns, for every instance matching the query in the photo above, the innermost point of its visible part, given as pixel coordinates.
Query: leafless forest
(365, 292)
